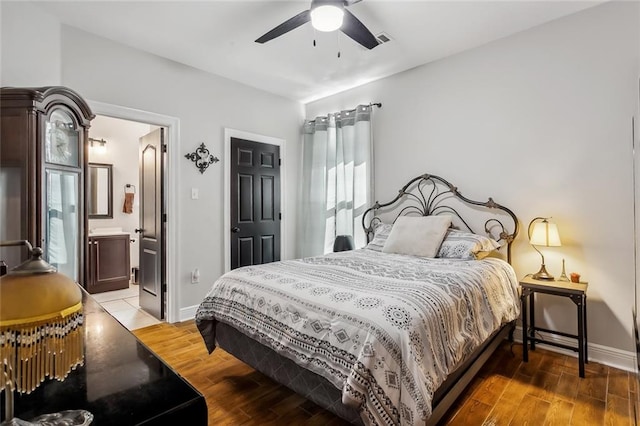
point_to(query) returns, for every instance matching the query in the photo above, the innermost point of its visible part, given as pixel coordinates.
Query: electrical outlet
(195, 276)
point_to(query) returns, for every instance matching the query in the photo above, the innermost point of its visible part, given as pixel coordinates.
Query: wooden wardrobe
(43, 160)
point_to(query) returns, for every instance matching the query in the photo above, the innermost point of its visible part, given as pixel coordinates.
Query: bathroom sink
(96, 232)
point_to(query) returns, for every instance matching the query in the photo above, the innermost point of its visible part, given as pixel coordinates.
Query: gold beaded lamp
(40, 325)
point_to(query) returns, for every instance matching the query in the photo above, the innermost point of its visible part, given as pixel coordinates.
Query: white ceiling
(218, 36)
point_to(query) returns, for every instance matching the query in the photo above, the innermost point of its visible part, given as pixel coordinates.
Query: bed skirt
(320, 391)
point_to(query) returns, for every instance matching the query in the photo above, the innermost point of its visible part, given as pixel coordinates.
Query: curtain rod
(376, 104)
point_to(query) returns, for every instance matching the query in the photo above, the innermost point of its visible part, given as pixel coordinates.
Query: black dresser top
(121, 382)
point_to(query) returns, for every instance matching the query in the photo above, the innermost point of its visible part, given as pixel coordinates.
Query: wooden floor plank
(559, 413)
(593, 386)
(544, 385)
(491, 389)
(588, 411)
(619, 384)
(531, 411)
(530, 368)
(501, 414)
(473, 412)
(552, 363)
(617, 411)
(545, 391)
(568, 386)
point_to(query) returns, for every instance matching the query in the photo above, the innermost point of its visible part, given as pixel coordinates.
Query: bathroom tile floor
(124, 306)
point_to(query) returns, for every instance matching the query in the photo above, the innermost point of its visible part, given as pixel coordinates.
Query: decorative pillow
(466, 245)
(380, 234)
(417, 235)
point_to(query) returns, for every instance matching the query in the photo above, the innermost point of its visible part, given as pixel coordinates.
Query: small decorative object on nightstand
(563, 276)
(543, 233)
(343, 243)
(577, 292)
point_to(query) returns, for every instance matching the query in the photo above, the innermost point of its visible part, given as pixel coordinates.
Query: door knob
(235, 229)
(139, 230)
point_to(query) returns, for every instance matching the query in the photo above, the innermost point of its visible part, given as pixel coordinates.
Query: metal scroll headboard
(427, 195)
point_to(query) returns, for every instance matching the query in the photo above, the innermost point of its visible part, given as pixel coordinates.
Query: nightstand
(577, 292)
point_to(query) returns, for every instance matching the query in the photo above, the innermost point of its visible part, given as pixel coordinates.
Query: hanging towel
(128, 203)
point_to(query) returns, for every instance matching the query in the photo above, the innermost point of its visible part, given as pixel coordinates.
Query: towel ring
(129, 186)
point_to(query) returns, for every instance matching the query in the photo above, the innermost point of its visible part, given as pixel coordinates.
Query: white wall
(122, 149)
(105, 71)
(541, 122)
(29, 46)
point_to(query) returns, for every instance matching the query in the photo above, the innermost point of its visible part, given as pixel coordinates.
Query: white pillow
(466, 245)
(417, 235)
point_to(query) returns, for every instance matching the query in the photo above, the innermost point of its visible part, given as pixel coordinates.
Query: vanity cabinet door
(109, 263)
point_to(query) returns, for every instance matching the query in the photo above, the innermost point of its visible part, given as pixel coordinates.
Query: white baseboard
(618, 358)
(188, 313)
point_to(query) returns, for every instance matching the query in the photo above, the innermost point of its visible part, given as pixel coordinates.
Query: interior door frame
(172, 243)
(226, 226)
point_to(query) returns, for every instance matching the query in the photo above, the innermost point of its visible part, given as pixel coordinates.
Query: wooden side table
(577, 292)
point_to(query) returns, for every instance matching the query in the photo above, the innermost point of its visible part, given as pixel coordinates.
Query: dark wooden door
(152, 276)
(255, 203)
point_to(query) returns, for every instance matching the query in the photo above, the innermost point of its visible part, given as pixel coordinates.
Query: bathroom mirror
(100, 196)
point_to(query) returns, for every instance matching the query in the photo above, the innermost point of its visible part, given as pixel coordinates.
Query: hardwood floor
(544, 391)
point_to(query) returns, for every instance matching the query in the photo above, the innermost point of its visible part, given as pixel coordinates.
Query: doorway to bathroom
(126, 245)
(171, 217)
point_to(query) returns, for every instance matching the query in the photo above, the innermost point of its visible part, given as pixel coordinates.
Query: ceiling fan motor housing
(337, 3)
(327, 15)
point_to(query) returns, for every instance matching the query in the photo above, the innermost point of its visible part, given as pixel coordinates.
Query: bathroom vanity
(109, 264)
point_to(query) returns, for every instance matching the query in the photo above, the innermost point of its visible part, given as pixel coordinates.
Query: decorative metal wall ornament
(202, 158)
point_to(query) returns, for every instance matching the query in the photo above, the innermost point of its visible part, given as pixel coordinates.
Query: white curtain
(337, 179)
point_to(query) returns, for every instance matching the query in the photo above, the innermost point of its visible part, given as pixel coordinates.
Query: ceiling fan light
(327, 17)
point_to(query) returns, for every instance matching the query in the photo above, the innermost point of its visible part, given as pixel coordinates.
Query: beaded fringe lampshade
(40, 325)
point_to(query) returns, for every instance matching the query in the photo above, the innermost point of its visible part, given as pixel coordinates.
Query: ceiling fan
(327, 15)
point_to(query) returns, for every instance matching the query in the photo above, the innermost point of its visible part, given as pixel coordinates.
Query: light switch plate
(195, 193)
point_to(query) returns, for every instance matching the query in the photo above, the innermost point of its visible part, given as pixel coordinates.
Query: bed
(377, 337)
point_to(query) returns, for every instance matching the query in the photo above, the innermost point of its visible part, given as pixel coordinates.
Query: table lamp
(40, 330)
(543, 233)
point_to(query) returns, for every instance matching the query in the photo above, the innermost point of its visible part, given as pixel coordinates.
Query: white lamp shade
(327, 18)
(545, 234)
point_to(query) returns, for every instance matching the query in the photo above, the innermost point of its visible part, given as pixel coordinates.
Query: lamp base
(542, 274)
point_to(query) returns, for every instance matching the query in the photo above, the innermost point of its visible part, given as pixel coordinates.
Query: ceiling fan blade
(286, 26)
(355, 29)
(350, 2)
